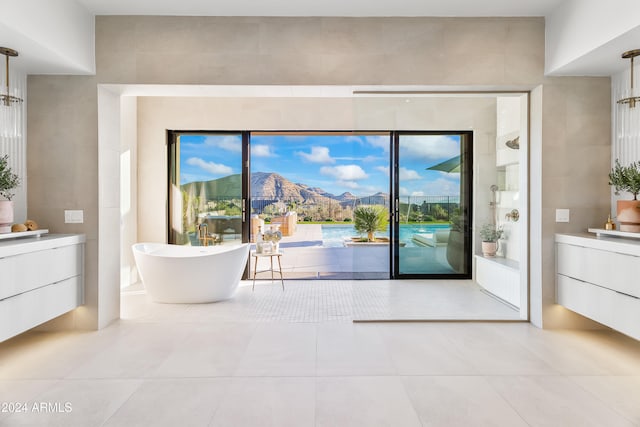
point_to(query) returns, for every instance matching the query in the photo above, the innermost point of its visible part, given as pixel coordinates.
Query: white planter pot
(6, 216)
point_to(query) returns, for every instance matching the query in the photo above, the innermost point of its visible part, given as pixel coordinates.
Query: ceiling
(456, 8)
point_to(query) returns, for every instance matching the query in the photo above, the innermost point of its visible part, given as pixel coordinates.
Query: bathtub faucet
(204, 237)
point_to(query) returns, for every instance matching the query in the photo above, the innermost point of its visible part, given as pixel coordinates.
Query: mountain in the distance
(346, 197)
(270, 185)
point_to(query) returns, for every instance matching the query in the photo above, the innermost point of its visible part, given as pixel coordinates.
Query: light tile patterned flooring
(332, 301)
(170, 365)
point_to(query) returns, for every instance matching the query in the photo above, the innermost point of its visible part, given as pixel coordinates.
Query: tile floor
(332, 301)
(185, 365)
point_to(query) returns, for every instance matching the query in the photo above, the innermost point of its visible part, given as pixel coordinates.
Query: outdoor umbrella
(450, 166)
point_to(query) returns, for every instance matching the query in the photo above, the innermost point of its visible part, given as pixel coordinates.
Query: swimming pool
(333, 235)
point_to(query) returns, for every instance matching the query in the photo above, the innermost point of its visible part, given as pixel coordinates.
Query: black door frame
(394, 191)
(466, 203)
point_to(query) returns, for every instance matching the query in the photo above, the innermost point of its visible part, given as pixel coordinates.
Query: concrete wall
(468, 53)
(576, 158)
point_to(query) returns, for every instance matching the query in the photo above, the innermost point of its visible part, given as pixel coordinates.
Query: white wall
(578, 27)
(109, 133)
(51, 36)
(128, 188)
(536, 231)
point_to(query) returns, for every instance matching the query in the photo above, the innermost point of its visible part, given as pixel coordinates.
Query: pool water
(333, 236)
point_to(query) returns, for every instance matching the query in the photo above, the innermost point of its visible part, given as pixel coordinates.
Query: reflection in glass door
(205, 188)
(432, 205)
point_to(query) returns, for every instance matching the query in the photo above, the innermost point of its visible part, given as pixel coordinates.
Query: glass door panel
(312, 186)
(205, 195)
(432, 175)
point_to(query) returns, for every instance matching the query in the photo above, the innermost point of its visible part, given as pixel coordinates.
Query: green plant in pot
(490, 234)
(8, 182)
(369, 219)
(627, 179)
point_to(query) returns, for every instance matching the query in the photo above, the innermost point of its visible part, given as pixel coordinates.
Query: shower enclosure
(505, 275)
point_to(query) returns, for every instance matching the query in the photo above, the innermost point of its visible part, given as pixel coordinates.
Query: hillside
(226, 187)
(269, 185)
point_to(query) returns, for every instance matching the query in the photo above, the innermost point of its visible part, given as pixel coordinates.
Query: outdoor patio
(305, 258)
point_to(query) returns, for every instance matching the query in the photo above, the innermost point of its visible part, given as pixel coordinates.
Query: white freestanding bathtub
(190, 274)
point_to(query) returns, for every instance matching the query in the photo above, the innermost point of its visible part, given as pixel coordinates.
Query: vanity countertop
(613, 244)
(11, 247)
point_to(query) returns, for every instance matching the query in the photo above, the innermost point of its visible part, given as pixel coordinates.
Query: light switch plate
(562, 215)
(73, 216)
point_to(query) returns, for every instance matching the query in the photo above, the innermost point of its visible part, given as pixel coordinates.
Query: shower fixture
(514, 143)
(493, 201)
(514, 215)
(493, 204)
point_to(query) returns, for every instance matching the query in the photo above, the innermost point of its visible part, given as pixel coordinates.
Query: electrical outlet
(562, 215)
(73, 216)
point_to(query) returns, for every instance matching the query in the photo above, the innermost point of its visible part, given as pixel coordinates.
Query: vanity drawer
(24, 272)
(608, 269)
(618, 311)
(29, 309)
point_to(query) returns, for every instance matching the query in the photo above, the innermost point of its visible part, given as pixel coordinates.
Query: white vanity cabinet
(40, 279)
(598, 277)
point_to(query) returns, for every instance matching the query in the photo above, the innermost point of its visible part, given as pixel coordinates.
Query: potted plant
(8, 182)
(369, 219)
(490, 234)
(627, 178)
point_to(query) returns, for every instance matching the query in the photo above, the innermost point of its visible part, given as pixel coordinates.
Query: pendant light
(632, 99)
(10, 110)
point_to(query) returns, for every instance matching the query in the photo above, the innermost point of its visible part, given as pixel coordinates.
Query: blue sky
(336, 163)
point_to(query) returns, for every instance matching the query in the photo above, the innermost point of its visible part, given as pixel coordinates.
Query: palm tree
(369, 219)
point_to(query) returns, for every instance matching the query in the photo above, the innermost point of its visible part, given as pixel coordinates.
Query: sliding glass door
(314, 187)
(432, 204)
(206, 200)
(329, 194)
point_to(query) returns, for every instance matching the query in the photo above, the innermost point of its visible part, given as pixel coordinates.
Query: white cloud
(231, 143)
(213, 168)
(352, 185)
(344, 172)
(383, 169)
(417, 193)
(262, 150)
(353, 138)
(441, 187)
(429, 148)
(404, 191)
(379, 141)
(347, 176)
(317, 155)
(370, 158)
(408, 174)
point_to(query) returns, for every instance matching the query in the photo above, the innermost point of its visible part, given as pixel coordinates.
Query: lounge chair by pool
(439, 238)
